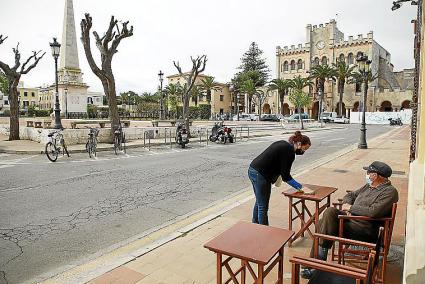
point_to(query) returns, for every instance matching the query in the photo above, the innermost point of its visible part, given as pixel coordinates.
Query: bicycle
(91, 144)
(119, 140)
(54, 144)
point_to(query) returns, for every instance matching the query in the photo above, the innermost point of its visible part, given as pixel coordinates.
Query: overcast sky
(170, 30)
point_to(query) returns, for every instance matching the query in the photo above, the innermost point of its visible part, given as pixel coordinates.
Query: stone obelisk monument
(72, 89)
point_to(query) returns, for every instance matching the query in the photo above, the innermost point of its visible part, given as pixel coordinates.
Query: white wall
(382, 117)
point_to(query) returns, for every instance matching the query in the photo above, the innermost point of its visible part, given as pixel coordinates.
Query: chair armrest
(330, 267)
(365, 218)
(345, 241)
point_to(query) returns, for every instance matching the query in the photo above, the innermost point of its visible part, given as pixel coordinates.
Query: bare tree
(259, 99)
(107, 45)
(13, 75)
(198, 66)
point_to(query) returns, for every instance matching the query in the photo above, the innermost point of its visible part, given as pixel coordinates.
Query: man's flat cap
(380, 168)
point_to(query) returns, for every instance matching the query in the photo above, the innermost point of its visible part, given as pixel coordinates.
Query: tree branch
(86, 25)
(36, 60)
(2, 39)
(177, 65)
(17, 57)
(110, 34)
(123, 33)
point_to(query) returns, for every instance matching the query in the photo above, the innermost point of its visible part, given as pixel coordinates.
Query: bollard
(165, 136)
(208, 138)
(236, 134)
(149, 139)
(144, 139)
(171, 142)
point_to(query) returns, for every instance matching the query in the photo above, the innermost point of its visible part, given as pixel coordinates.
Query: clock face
(320, 44)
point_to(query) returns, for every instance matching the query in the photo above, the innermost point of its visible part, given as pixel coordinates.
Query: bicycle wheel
(51, 152)
(116, 145)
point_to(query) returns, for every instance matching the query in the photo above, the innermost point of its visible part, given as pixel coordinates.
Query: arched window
(324, 60)
(341, 58)
(300, 64)
(285, 66)
(350, 59)
(293, 65)
(316, 61)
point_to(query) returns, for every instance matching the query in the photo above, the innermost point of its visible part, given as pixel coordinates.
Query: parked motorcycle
(181, 135)
(396, 121)
(221, 133)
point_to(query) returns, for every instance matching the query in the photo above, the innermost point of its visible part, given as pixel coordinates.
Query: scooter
(396, 121)
(221, 133)
(181, 135)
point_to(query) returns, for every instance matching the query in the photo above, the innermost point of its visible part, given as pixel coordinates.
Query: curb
(90, 270)
(110, 148)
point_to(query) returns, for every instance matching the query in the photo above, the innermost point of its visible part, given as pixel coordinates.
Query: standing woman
(264, 170)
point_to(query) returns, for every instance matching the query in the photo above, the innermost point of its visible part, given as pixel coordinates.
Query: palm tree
(282, 86)
(173, 92)
(208, 85)
(195, 93)
(343, 74)
(298, 97)
(358, 77)
(321, 73)
(248, 87)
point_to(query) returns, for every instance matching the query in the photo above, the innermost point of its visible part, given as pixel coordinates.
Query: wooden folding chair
(360, 255)
(335, 273)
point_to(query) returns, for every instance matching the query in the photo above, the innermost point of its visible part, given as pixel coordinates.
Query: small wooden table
(253, 243)
(321, 192)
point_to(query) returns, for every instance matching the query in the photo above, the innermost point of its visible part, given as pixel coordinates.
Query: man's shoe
(306, 273)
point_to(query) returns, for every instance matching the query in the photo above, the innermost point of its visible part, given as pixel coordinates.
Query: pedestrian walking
(276, 161)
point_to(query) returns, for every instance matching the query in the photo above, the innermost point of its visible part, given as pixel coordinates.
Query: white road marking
(336, 139)
(6, 166)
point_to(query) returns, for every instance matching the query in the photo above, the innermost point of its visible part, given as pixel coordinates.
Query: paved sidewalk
(176, 254)
(32, 147)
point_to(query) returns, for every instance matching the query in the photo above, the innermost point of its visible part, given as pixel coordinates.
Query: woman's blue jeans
(262, 189)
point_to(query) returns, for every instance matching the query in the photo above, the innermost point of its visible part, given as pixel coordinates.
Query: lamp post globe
(55, 46)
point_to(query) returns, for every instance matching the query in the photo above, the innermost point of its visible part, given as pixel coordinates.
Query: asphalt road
(57, 214)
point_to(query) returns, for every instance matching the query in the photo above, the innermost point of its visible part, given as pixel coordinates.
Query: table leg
(295, 273)
(290, 219)
(302, 214)
(260, 279)
(243, 272)
(280, 269)
(219, 265)
(316, 217)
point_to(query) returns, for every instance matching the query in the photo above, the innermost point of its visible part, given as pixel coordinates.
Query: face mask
(299, 152)
(368, 180)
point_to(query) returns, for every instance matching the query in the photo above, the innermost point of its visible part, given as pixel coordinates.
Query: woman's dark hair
(298, 137)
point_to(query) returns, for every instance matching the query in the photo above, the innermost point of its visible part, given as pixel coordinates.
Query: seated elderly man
(375, 199)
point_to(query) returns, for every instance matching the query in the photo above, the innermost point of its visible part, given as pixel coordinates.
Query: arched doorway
(266, 108)
(286, 110)
(315, 110)
(386, 106)
(356, 107)
(405, 104)
(343, 109)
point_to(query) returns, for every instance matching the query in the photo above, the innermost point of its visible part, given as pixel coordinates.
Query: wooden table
(250, 243)
(321, 192)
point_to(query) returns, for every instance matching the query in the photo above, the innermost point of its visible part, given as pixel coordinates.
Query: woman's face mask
(299, 151)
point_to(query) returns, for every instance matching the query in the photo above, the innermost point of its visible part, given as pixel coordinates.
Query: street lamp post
(55, 46)
(161, 100)
(320, 93)
(364, 69)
